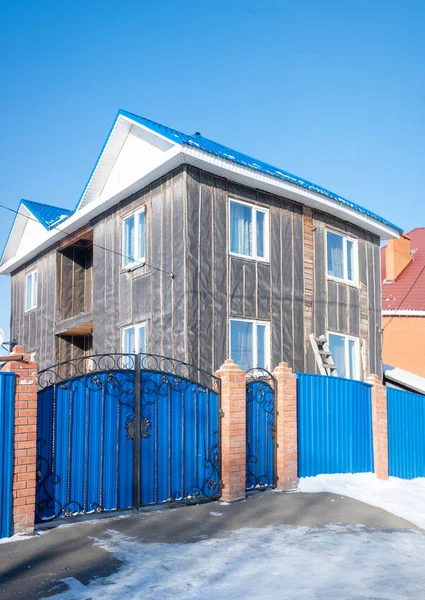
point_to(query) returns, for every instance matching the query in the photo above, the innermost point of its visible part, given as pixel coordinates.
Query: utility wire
(138, 262)
(400, 304)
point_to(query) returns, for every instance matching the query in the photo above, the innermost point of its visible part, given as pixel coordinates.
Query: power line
(140, 263)
(400, 304)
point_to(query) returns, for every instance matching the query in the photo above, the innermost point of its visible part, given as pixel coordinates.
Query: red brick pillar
(24, 472)
(286, 428)
(233, 433)
(379, 426)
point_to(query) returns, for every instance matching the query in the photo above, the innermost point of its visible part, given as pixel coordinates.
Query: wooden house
(182, 247)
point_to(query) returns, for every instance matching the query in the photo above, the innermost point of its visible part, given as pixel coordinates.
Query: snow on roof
(217, 149)
(405, 379)
(48, 215)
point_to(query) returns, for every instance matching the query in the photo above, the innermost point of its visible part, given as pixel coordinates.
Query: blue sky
(331, 91)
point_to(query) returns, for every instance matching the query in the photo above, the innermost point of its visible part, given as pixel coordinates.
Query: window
(133, 238)
(31, 291)
(249, 230)
(345, 352)
(341, 257)
(249, 344)
(134, 339)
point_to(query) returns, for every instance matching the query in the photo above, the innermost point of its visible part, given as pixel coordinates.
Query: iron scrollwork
(260, 395)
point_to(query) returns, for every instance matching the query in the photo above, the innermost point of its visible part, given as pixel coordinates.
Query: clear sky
(333, 91)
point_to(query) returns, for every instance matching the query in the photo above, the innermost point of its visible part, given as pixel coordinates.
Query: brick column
(286, 428)
(233, 432)
(379, 426)
(25, 433)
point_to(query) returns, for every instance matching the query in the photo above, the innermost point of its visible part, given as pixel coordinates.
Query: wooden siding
(187, 315)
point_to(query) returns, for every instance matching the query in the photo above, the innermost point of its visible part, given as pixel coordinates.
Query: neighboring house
(403, 302)
(182, 247)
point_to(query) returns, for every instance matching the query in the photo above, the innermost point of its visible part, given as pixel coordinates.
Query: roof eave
(249, 177)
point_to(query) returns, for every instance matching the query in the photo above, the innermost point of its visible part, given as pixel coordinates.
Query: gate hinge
(221, 412)
(221, 484)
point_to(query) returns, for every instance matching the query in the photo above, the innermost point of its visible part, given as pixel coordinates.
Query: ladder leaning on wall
(323, 355)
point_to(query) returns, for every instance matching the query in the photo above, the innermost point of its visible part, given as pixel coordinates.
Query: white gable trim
(172, 159)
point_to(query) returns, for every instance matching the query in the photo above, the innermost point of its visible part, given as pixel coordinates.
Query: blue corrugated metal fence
(406, 434)
(7, 395)
(334, 425)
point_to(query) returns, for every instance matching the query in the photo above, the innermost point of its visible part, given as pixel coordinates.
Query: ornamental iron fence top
(102, 363)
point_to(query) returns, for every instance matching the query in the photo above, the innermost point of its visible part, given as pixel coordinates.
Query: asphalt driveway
(172, 553)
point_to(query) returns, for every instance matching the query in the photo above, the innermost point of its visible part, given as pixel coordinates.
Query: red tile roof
(393, 293)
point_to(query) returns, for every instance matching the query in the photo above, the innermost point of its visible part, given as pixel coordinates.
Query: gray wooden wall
(187, 316)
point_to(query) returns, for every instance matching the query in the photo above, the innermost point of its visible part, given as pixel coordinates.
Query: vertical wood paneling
(192, 258)
(298, 292)
(332, 306)
(166, 265)
(287, 274)
(250, 291)
(320, 290)
(179, 300)
(99, 261)
(220, 273)
(155, 330)
(205, 262)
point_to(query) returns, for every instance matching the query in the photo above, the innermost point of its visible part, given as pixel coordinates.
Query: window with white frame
(134, 238)
(31, 290)
(342, 257)
(249, 230)
(134, 339)
(249, 343)
(346, 355)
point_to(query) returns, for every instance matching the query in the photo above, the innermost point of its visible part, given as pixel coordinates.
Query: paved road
(34, 568)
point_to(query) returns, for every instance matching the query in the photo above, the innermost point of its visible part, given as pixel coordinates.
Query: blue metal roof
(207, 145)
(49, 216)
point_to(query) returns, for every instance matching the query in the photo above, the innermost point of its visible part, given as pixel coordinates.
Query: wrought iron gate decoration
(121, 430)
(260, 429)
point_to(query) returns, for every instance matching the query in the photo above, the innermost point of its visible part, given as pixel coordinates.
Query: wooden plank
(179, 248)
(155, 225)
(332, 307)
(263, 293)
(342, 308)
(298, 293)
(371, 302)
(220, 257)
(362, 260)
(99, 261)
(193, 203)
(354, 313)
(275, 275)
(287, 262)
(166, 306)
(320, 287)
(377, 305)
(236, 287)
(205, 265)
(250, 292)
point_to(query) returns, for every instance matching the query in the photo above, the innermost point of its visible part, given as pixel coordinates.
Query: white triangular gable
(27, 233)
(130, 152)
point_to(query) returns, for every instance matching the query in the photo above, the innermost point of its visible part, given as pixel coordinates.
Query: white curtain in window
(241, 349)
(335, 255)
(240, 229)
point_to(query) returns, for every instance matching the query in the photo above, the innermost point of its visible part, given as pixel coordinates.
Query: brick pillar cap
(18, 350)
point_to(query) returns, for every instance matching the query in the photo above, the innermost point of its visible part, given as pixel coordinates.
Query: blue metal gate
(260, 429)
(120, 431)
(334, 425)
(406, 434)
(7, 395)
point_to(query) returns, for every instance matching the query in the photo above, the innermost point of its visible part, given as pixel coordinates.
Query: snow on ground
(282, 563)
(18, 537)
(402, 497)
